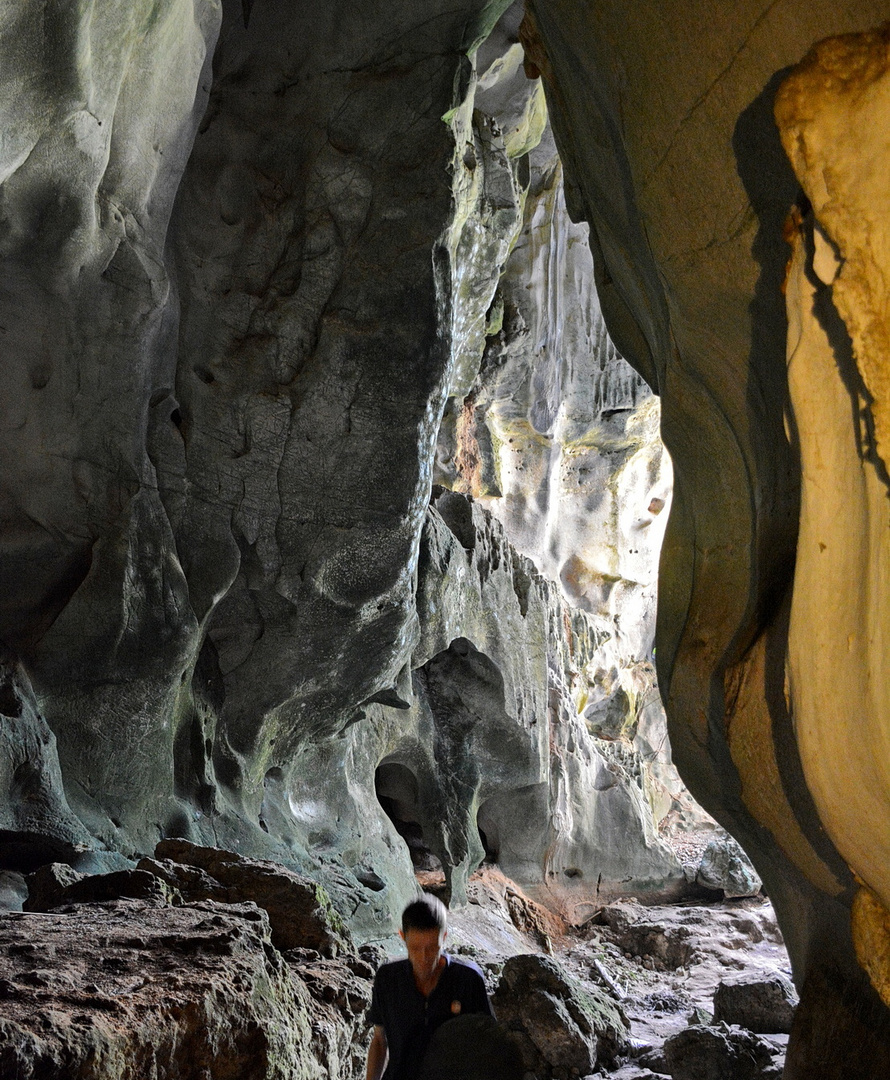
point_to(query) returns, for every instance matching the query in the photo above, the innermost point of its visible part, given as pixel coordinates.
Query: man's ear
(402, 934)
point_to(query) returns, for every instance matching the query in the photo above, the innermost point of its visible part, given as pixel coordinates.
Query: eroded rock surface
(758, 1005)
(246, 269)
(686, 192)
(721, 1052)
(251, 628)
(131, 989)
(560, 1027)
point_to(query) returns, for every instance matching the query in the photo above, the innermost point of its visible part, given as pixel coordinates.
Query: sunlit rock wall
(664, 119)
(556, 435)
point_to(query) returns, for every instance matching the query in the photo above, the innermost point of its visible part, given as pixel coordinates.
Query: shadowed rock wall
(221, 434)
(236, 300)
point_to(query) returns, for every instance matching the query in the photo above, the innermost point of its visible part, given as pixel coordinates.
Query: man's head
(423, 931)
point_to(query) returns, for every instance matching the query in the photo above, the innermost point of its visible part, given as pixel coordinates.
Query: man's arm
(378, 1052)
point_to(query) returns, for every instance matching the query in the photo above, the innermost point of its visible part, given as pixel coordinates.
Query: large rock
(186, 993)
(299, 910)
(560, 1027)
(725, 866)
(720, 1053)
(56, 885)
(239, 613)
(761, 1005)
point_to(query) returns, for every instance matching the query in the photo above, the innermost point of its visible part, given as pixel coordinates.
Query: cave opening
(489, 834)
(396, 788)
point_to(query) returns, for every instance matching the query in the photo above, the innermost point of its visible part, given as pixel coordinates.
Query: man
(413, 997)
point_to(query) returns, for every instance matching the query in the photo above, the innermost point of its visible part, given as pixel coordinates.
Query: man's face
(424, 950)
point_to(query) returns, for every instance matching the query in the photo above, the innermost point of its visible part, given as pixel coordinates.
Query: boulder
(763, 1005)
(57, 884)
(726, 867)
(300, 911)
(559, 1026)
(46, 886)
(720, 1052)
(133, 989)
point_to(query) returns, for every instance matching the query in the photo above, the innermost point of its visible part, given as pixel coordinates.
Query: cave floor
(664, 961)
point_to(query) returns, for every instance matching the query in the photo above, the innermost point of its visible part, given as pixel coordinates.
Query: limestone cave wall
(264, 274)
(270, 269)
(696, 155)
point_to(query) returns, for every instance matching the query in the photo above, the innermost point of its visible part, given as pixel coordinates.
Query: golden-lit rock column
(834, 115)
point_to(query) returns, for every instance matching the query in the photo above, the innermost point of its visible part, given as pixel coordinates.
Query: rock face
(561, 1029)
(482, 752)
(134, 989)
(265, 269)
(231, 614)
(775, 549)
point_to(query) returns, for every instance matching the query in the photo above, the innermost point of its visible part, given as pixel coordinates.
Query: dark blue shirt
(409, 1019)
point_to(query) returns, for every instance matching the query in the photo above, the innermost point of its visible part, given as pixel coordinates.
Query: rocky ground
(663, 965)
(191, 968)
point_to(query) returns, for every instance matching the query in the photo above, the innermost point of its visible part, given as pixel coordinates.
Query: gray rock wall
(218, 428)
(250, 254)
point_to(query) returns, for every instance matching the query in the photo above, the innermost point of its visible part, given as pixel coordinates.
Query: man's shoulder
(466, 969)
(393, 970)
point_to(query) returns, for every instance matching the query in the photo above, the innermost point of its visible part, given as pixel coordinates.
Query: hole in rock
(397, 793)
(489, 834)
(371, 880)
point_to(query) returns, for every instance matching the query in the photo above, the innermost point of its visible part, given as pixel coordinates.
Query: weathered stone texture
(239, 300)
(561, 1028)
(135, 991)
(686, 188)
(236, 305)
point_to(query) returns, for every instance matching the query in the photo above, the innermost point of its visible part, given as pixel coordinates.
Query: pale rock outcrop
(483, 752)
(828, 110)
